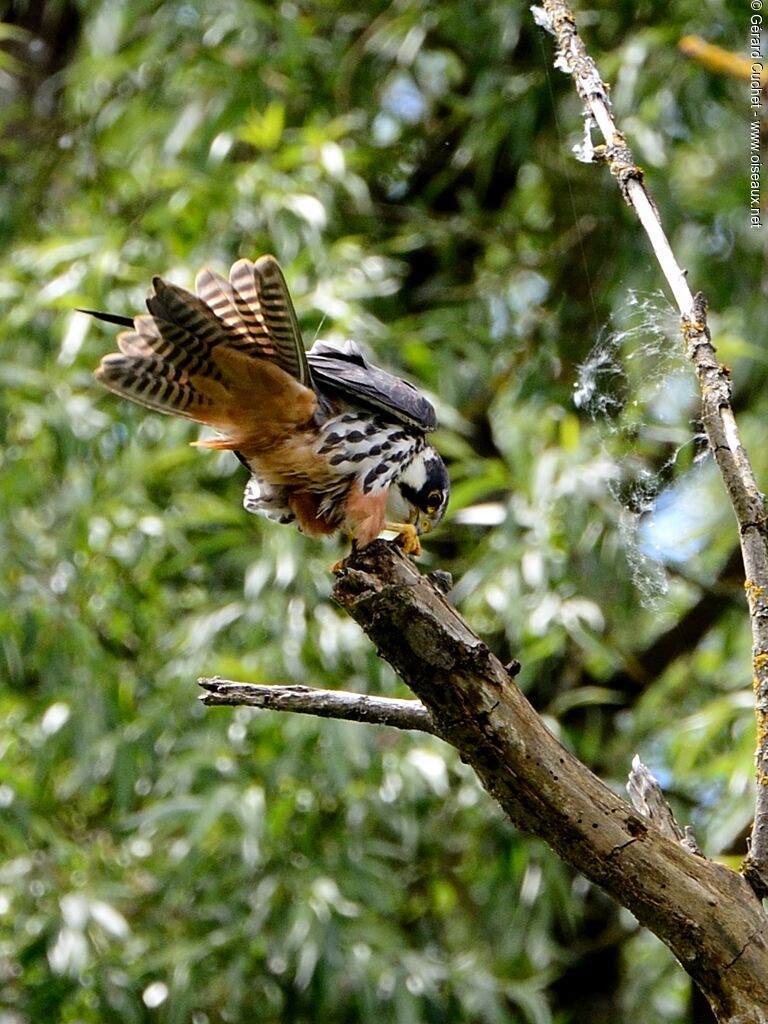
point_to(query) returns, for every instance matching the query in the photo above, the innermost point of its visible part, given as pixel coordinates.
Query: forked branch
(707, 914)
(714, 384)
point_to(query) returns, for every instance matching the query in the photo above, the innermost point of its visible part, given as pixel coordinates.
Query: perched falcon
(332, 443)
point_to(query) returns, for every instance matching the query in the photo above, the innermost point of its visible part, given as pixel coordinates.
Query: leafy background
(410, 165)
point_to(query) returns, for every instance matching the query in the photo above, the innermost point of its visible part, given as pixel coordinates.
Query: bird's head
(420, 494)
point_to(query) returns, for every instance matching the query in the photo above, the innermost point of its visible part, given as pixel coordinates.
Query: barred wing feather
(262, 295)
(225, 356)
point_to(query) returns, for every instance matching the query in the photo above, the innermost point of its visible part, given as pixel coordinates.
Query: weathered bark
(707, 914)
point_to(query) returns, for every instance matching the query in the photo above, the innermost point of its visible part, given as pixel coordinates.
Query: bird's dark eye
(434, 500)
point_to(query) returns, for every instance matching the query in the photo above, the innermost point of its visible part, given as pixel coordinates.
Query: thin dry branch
(310, 700)
(714, 384)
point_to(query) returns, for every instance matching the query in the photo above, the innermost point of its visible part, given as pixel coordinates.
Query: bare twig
(714, 383)
(308, 700)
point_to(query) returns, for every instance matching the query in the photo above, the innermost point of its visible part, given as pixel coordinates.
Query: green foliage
(410, 166)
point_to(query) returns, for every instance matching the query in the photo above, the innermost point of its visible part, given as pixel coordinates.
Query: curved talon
(409, 537)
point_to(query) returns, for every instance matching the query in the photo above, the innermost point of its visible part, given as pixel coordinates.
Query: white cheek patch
(399, 510)
(415, 475)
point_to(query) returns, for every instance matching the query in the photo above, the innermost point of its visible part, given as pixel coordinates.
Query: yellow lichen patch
(760, 670)
(760, 759)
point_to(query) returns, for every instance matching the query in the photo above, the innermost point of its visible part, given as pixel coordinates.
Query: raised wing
(345, 372)
(256, 307)
(194, 353)
(230, 356)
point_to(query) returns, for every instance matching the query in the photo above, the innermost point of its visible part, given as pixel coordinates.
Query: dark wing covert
(345, 372)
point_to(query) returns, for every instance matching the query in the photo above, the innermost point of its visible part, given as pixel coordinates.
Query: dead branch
(714, 383)
(310, 700)
(707, 914)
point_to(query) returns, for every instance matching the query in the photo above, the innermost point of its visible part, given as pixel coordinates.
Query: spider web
(637, 385)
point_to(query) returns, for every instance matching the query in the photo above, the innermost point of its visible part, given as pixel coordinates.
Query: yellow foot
(409, 538)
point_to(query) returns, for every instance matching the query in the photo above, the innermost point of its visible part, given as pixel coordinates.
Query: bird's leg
(409, 538)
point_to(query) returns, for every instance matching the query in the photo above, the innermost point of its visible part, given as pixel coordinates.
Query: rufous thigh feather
(306, 508)
(364, 514)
